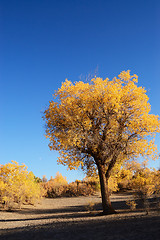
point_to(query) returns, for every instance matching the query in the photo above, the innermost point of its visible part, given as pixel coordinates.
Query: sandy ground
(71, 219)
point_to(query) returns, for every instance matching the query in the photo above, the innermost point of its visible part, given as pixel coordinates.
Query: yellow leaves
(125, 75)
(60, 179)
(55, 186)
(63, 189)
(3, 185)
(70, 159)
(132, 204)
(138, 177)
(103, 112)
(143, 182)
(65, 86)
(17, 184)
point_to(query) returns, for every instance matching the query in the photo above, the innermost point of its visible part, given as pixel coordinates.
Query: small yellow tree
(60, 179)
(101, 123)
(145, 182)
(126, 173)
(17, 185)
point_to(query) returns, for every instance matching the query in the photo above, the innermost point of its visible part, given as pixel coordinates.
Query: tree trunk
(106, 203)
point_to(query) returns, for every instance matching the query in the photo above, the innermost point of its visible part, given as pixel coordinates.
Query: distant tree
(37, 179)
(60, 179)
(100, 124)
(44, 179)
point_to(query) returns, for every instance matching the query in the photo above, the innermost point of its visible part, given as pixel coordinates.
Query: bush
(53, 189)
(59, 187)
(79, 189)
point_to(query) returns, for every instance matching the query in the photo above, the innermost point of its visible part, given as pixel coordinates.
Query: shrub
(59, 187)
(80, 189)
(53, 189)
(60, 179)
(132, 204)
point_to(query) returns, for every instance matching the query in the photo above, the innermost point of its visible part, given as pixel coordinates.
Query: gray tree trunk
(106, 203)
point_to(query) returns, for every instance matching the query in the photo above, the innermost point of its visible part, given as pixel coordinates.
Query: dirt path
(69, 219)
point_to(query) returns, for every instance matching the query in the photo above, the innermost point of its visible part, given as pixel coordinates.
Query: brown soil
(73, 219)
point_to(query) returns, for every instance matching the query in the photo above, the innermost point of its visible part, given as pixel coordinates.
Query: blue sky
(44, 42)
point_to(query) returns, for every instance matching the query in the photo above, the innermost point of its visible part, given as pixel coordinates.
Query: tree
(17, 185)
(60, 179)
(101, 123)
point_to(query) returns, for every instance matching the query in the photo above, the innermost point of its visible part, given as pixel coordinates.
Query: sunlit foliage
(145, 183)
(17, 185)
(59, 187)
(139, 177)
(101, 123)
(60, 179)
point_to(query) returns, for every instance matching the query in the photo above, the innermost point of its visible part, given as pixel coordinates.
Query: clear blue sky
(44, 42)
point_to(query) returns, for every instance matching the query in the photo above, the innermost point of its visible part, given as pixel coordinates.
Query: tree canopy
(100, 123)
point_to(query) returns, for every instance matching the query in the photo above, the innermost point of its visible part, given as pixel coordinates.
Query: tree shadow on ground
(118, 204)
(144, 228)
(76, 212)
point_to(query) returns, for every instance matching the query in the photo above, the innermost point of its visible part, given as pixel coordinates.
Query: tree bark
(106, 203)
